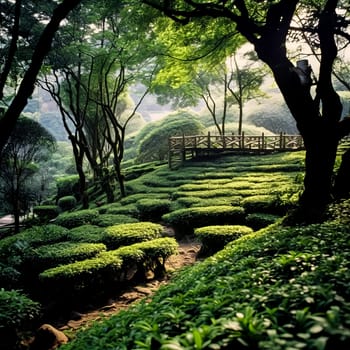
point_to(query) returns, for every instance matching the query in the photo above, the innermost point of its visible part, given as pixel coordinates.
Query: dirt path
(187, 256)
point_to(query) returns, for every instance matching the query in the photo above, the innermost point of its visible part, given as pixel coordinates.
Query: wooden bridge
(184, 147)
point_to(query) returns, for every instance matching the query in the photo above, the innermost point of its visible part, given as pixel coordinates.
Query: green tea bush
(144, 257)
(45, 213)
(126, 234)
(47, 256)
(259, 220)
(87, 233)
(18, 314)
(82, 279)
(77, 218)
(119, 209)
(153, 209)
(67, 203)
(264, 204)
(33, 237)
(214, 238)
(104, 220)
(68, 185)
(222, 192)
(185, 220)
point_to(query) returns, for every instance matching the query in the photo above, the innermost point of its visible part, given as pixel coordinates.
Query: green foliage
(279, 288)
(153, 209)
(67, 203)
(45, 213)
(33, 237)
(77, 218)
(119, 209)
(104, 220)
(47, 256)
(264, 204)
(18, 312)
(126, 234)
(81, 278)
(66, 186)
(214, 238)
(154, 144)
(260, 220)
(87, 233)
(185, 220)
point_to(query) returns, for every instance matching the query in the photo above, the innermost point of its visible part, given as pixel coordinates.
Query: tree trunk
(342, 184)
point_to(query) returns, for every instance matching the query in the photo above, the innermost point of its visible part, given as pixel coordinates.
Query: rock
(48, 337)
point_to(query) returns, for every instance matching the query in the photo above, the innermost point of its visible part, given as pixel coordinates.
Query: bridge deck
(180, 147)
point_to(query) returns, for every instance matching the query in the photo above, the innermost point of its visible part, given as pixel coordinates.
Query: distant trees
(154, 143)
(29, 146)
(12, 19)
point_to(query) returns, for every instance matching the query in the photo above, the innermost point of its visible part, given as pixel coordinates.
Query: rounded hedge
(214, 238)
(185, 220)
(67, 203)
(77, 218)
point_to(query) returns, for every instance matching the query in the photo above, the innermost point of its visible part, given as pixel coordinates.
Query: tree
(96, 59)
(29, 145)
(267, 25)
(42, 47)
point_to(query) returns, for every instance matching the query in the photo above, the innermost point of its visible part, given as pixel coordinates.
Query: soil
(188, 251)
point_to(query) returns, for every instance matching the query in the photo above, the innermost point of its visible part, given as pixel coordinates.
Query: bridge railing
(180, 145)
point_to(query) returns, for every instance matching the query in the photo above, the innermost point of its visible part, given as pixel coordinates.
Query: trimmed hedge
(153, 209)
(214, 238)
(45, 213)
(77, 218)
(82, 279)
(270, 204)
(260, 220)
(48, 256)
(67, 203)
(87, 233)
(33, 237)
(185, 220)
(104, 220)
(126, 234)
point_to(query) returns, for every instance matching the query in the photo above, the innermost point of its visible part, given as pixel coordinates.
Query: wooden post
(209, 143)
(183, 149)
(262, 141)
(242, 140)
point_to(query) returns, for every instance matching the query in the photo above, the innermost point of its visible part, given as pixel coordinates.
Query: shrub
(82, 279)
(66, 186)
(77, 218)
(104, 220)
(126, 234)
(119, 209)
(153, 209)
(185, 220)
(260, 220)
(264, 204)
(214, 238)
(17, 315)
(48, 256)
(32, 237)
(67, 203)
(45, 213)
(219, 192)
(87, 233)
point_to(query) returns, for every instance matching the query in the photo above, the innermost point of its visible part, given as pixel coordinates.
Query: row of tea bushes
(184, 221)
(106, 271)
(216, 237)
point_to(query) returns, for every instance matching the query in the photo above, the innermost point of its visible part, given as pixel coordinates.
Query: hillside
(272, 287)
